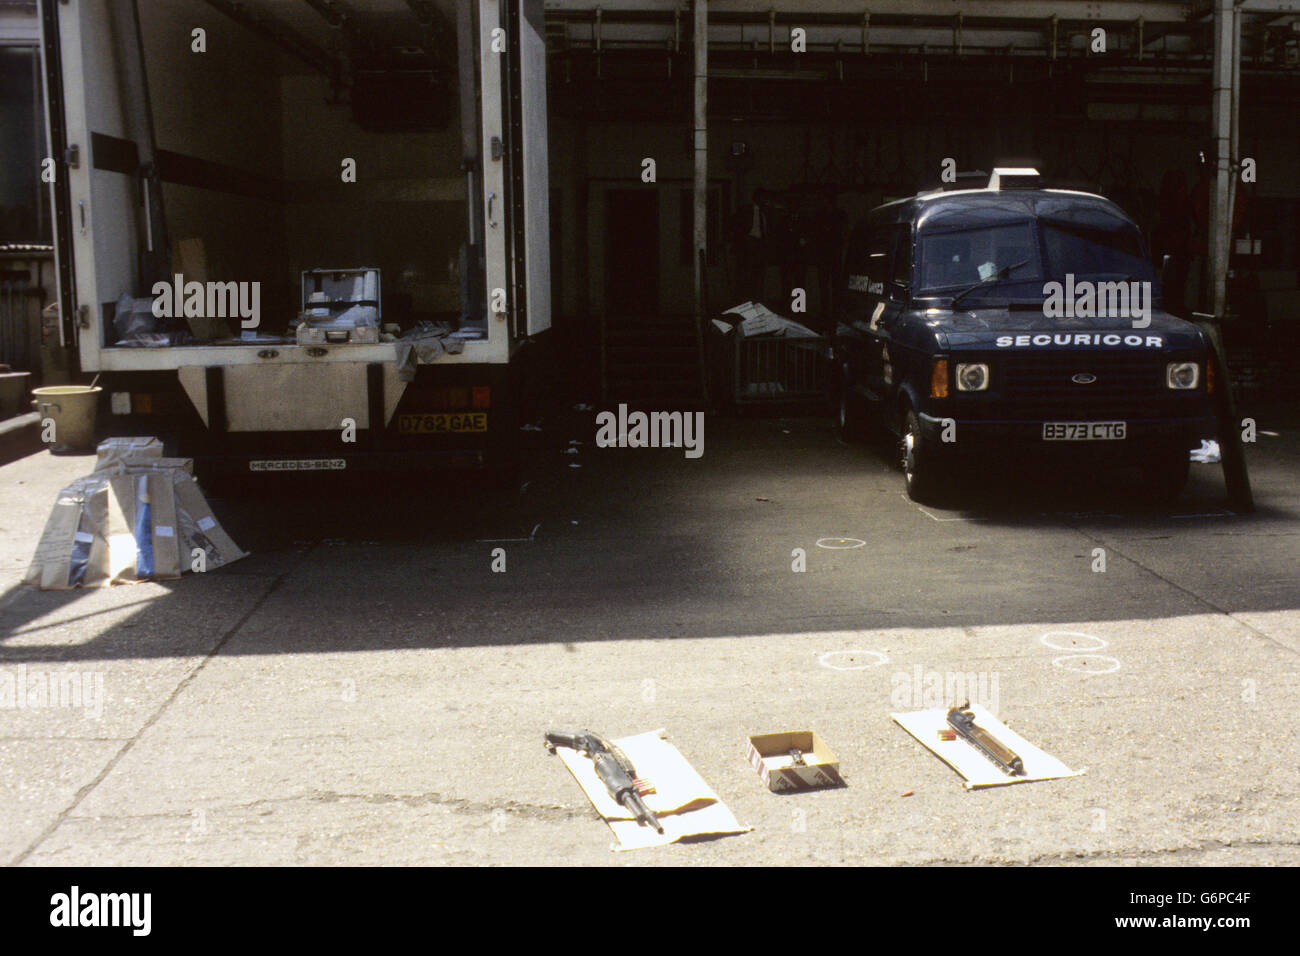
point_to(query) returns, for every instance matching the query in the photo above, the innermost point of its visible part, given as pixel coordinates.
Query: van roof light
(1013, 177)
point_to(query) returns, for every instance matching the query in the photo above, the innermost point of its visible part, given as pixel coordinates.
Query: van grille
(1127, 386)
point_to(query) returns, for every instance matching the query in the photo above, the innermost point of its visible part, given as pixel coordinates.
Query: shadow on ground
(645, 544)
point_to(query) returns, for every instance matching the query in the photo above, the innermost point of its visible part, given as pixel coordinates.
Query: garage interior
(881, 94)
(878, 96)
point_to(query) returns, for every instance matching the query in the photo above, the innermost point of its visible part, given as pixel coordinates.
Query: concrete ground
(365, 689)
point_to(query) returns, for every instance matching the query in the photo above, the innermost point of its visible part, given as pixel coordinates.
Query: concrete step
(20, 436)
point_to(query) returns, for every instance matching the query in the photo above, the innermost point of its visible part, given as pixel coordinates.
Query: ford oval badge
(1083, 378)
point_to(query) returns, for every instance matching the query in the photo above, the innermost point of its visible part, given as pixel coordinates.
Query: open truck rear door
(97, 140)
(244, 401)
(529, 187)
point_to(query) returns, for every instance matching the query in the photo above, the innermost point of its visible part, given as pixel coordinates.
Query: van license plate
(1084, 431)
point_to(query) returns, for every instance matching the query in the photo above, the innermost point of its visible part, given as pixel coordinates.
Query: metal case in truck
(340, 306)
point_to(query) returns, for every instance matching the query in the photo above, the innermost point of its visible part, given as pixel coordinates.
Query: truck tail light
(939, 379)
(1209, 375)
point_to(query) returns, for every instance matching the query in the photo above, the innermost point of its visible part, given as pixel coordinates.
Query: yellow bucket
(71, 411)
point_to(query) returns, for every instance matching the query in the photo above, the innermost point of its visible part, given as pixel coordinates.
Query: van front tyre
(925, 481)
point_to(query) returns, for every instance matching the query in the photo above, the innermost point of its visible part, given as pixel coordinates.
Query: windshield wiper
(992, 278)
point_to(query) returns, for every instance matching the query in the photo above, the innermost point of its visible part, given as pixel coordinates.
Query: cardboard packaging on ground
(774, 757)
(115, 451)
(199, 526)
(141, 528)
(138, 517)
(70, 553)
(977, 769)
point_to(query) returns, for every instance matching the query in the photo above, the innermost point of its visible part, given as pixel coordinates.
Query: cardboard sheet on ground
(685, 804)
(978, 770)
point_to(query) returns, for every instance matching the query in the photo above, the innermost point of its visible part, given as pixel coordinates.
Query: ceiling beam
(1205, 8)
(1102, 11)
(282, 36)
(333, 12)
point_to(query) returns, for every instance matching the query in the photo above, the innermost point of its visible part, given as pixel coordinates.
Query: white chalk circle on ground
(840, 544)
(1091, 642)
(1087, 663)
(851, 660)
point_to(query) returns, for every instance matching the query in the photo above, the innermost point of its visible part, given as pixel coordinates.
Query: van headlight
(972, 376)
(1183, 375)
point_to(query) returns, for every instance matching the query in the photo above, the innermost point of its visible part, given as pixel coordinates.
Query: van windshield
(1094, 252)
(962, 258)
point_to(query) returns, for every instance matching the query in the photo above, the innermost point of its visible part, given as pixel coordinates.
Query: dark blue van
(1014, 320)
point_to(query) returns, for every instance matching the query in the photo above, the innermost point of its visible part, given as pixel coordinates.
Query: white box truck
(253, 142)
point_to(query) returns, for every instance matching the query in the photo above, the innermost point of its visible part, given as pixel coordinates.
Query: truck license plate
(1083, 431)
(435, 424)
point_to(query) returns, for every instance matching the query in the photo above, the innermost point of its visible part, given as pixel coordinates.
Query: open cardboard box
(771, 757)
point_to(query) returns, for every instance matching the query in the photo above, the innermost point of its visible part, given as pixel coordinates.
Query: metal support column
(701, 144)
(1227, 80)
(1226, 72)
(701, 192)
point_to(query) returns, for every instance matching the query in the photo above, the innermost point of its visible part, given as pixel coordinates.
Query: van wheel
(925, 482)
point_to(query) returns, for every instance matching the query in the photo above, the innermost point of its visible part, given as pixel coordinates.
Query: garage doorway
(632, 251)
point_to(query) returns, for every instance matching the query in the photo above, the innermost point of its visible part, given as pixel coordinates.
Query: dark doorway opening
(632, 251)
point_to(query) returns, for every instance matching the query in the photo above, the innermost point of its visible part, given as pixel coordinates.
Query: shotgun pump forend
(614, 769)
